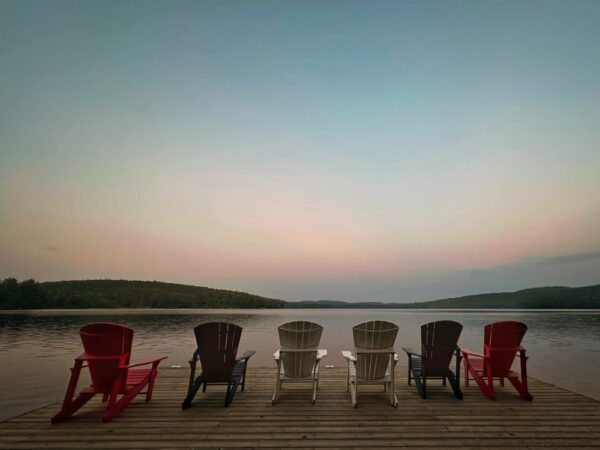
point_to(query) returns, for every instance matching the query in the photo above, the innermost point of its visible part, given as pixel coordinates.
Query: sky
(356, 150)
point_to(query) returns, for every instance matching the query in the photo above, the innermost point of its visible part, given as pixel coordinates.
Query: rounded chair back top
(498, 337)
(374, 346)
(217, 348)
(299, 343)
(300, 334)
(438, 344)
(106, 339)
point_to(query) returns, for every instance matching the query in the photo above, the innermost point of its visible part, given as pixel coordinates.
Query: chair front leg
(244, 374)
(275, 398)
(70, 405)
(458, 358)
(153, 375)
(393, 398)
(194, 384)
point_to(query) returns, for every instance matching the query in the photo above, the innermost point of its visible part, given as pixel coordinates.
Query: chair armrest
(155, 361)
(410, 352)
(246, 355)
(348, 355)
(322, 353)
(467, 352)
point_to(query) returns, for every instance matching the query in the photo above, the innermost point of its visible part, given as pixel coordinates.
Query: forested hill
(123, 294)
(587, 297)
(153, 294)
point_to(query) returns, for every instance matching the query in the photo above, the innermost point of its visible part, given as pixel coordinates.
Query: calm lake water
(37, 348)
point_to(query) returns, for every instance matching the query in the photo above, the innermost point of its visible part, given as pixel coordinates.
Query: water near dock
(37, 348)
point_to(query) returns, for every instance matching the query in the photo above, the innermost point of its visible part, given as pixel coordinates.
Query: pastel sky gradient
(357, 150)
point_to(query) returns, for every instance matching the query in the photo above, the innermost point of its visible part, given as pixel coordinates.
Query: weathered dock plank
(557, 418)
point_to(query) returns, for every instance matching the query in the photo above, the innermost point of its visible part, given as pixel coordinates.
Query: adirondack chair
(299, 356)
(438, 345)
(217, 351)
(107, 348)
(374, 359)
(501, 344)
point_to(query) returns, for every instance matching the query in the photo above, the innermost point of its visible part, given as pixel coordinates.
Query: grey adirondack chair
(438, 345)
(374, 359)
(299, 356)
(217, 351)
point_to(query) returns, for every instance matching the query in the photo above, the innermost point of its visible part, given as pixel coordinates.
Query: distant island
(30, 294)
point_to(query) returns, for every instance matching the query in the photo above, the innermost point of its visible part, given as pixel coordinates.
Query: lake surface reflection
(37, 348)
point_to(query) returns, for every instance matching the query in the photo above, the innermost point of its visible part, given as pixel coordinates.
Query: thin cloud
(565, 259)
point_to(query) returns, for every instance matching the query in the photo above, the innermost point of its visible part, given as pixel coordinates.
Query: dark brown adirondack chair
(217, 350)
(438, 345)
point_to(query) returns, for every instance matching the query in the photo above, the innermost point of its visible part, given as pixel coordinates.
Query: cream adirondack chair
(299, 356)
(374, 360)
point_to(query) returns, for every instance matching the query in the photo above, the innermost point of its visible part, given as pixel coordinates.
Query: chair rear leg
(69, 408)
(192, 390)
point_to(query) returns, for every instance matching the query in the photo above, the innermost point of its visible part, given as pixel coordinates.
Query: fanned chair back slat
(106, 339)
(300, 335)
(374, 345)
(498, 337)
(438, 345)
(217, 348)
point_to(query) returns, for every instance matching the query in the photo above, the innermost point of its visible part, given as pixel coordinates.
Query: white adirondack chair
(299, 356)
(374, 359)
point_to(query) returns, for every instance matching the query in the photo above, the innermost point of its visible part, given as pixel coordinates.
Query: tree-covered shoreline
(83, 294)
(30, 294)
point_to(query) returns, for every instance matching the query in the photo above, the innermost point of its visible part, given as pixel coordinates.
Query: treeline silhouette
(587, 297)
(30, 294)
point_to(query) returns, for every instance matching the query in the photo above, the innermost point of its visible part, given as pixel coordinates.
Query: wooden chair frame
(217, 348)
(127, 382)
(496, 360)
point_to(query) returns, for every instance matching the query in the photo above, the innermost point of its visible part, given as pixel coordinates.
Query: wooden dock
(556, 418)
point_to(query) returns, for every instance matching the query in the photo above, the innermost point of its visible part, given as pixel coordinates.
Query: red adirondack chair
(502, 343)
(107, 348)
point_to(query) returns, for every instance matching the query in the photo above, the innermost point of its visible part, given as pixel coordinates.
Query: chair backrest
(106, 339)
(438, 344)
(299, 343)
(498, 337)
(374, 346)
(217, 348)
